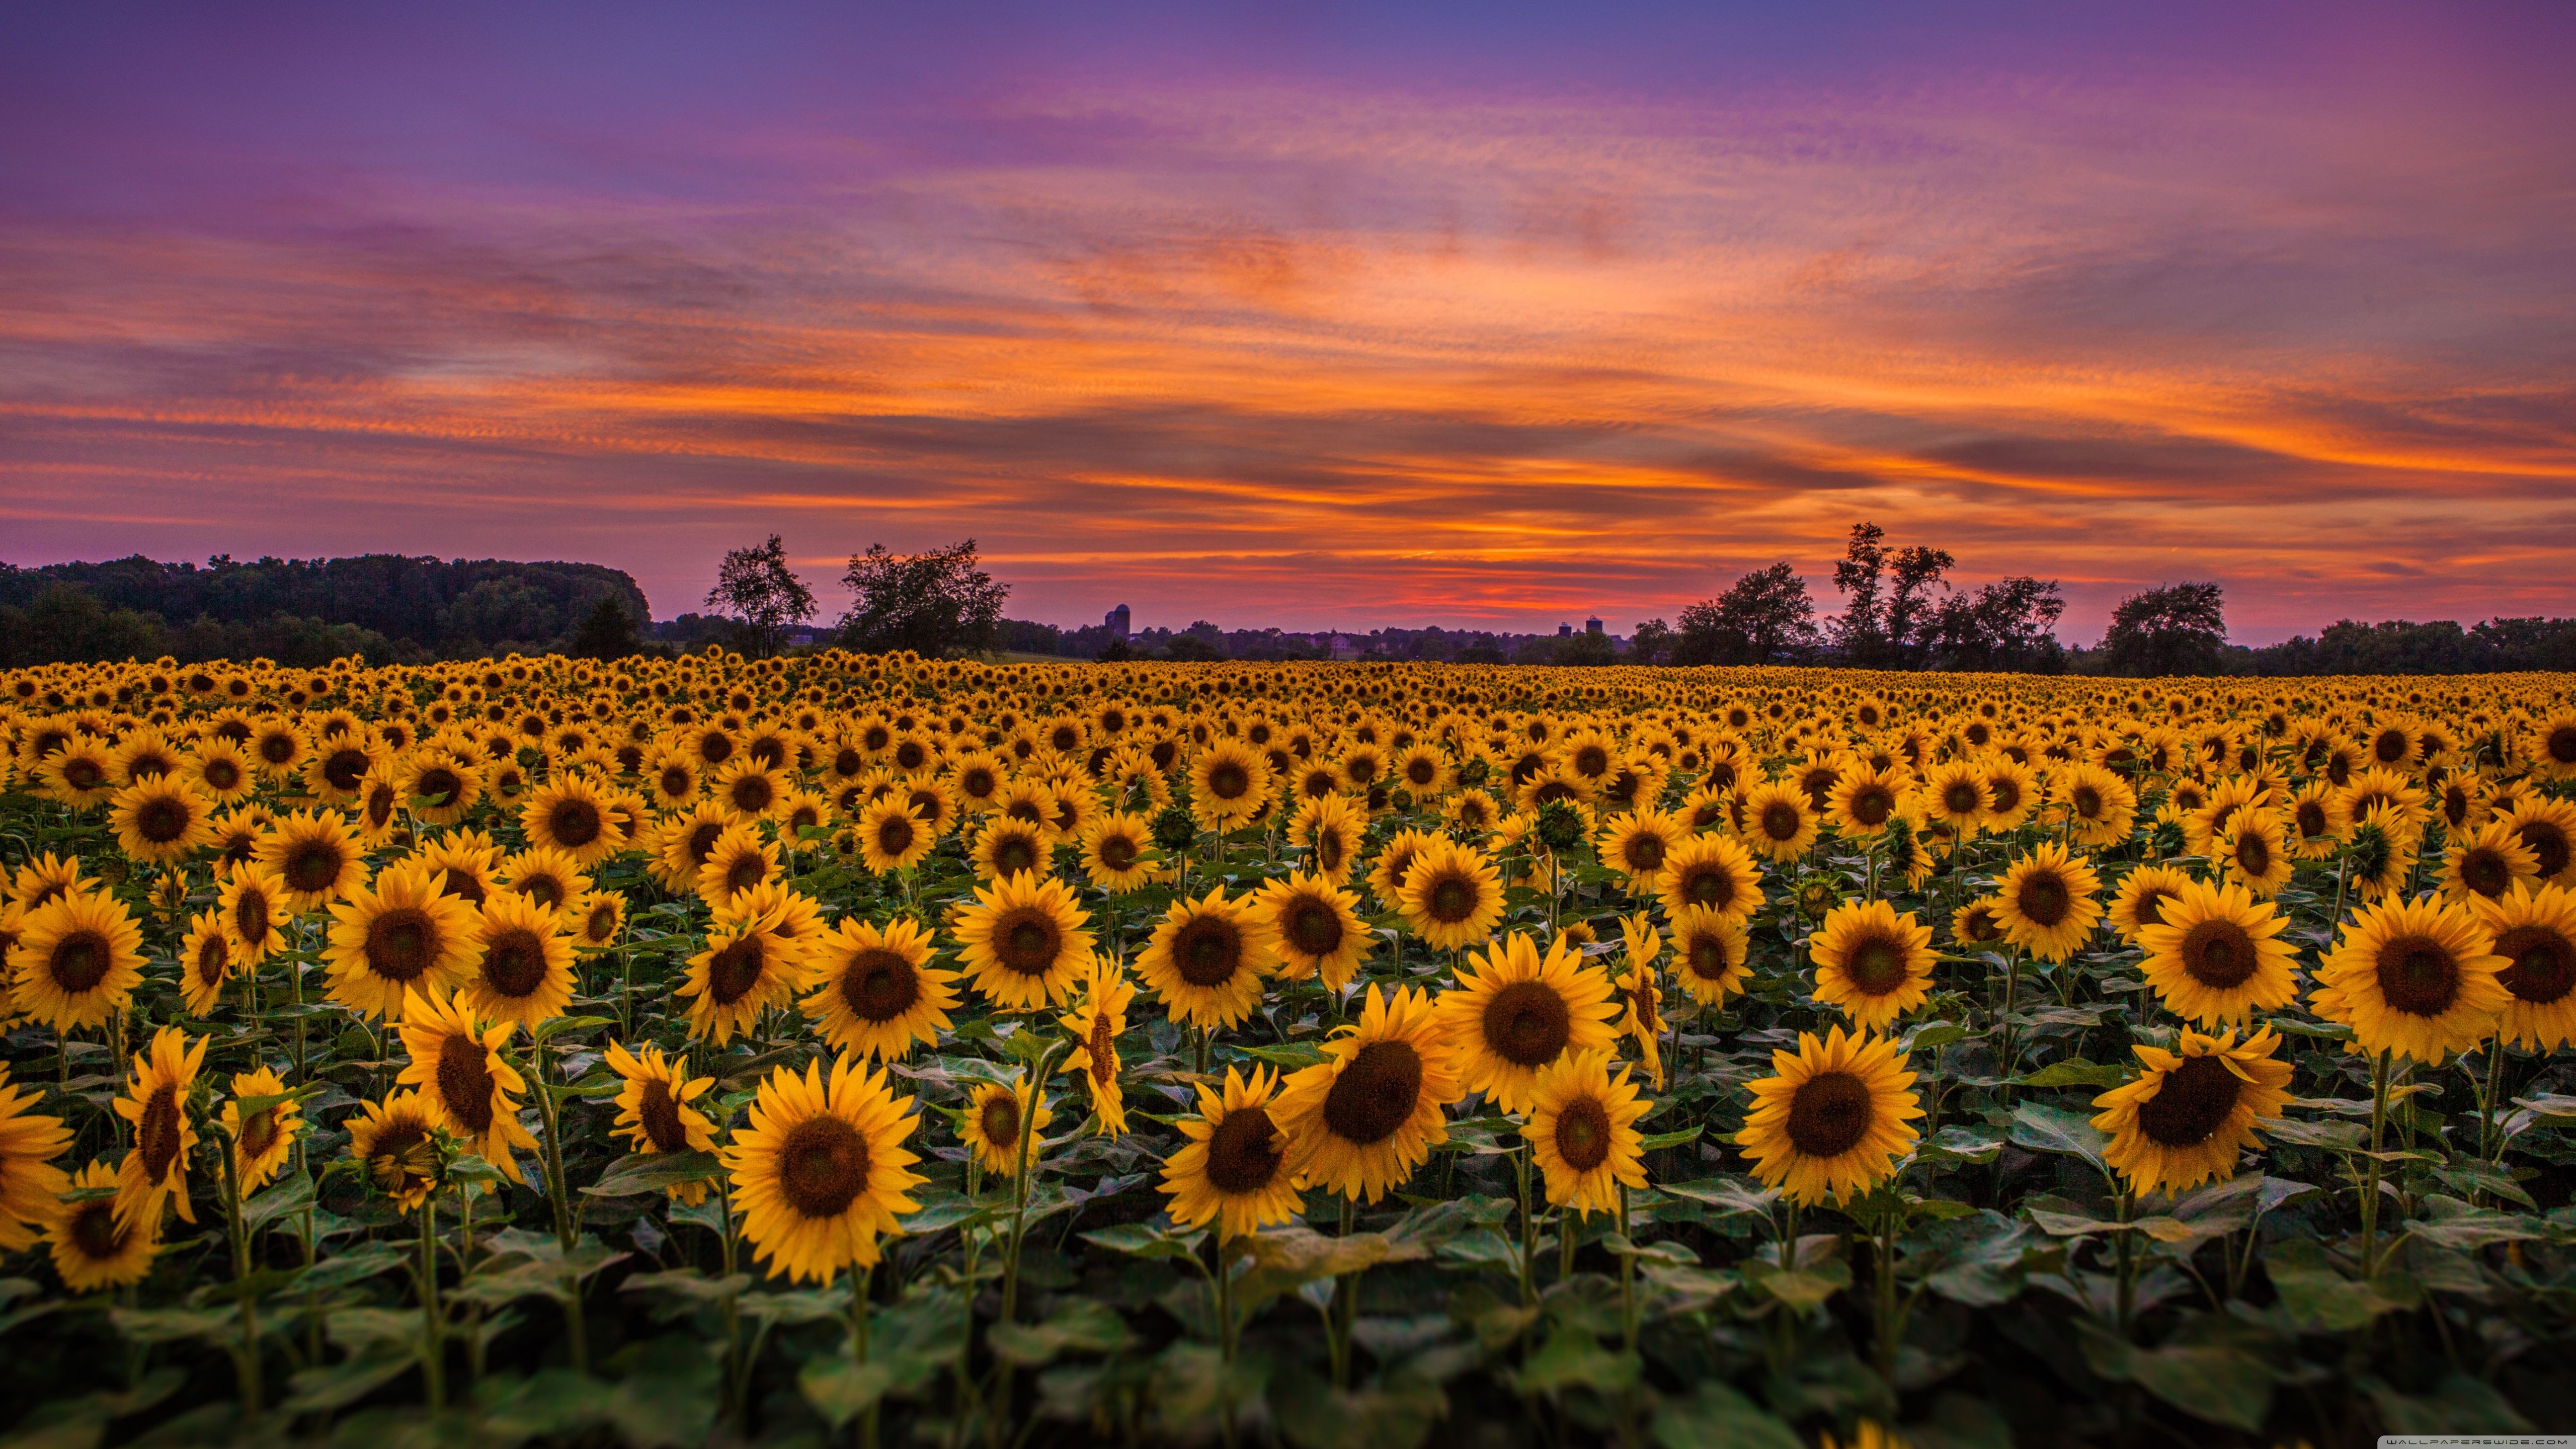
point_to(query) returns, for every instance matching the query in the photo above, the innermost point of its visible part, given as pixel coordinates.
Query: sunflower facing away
(1234, 1167)
(402, 934)
(996, 1113)
(1583, 1133)
(463, 1079)
(77, 960)
(1873, 963)
(1833, 1121)
(653, 1111)
(155, 1169)
(1317, 928)
(262, 1138)
(875, 994)
(1095, 1023)
(1365, 1117)
(395, 1144)
(2045, 902)
(1514, 1013)
(2417, 978)
(1452, 896)
(2535, 934)
(2192, 1111)
(1024, 941)
(1208, 957)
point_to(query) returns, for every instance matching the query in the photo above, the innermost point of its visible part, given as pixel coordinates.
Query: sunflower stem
(2370, 1174)
(433, 1337)
(1529, 1227)
(860, 1281)
(576, 1330)
(246, 1356)
(1627, 1278)
(2490, 1150)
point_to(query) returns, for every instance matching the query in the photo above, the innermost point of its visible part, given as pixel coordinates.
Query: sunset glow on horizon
(1342, 321)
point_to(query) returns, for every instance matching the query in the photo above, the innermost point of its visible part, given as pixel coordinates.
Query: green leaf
(1730, 1197)
(2317, 1298)
(639, 1173)
(1716, 1414)
(841, 1390)
(1961, 1144)
(2458, 1404)
(1078, 1325)
(2075, 1073)
(668, 1398)
(1143, 1240)
(2219, 1385)
(2452, 1223)
(2043, 1128)
(550, 1403)
(1662, 1140)
(1574, 1359)
(548, 1030)
(1798, 1288)
(1292, 1056)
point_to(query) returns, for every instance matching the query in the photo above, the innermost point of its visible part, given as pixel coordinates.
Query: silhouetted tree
(1653, 640)
(1887, 610)
(929, 602)
(606, 632)
(1763, 615)
(757, 588)
(2010, 624)
(2176, 629)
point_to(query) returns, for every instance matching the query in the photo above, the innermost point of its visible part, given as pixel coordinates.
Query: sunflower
(1514, 1012)
(1714, 873)
(1095, 1023)
(1641, 993)
(876, 995)
(1207, 959)
(2139, 901)
(2380, 858)
(1639, 846)
(1708, 954)
(892, 837)
(1419, 769)
(1778, 821)
(1329, 828)
(1834, 1119)
(402, 934)
(2535, 933)
(1873, 963)
(442, 788)
(978, 777)
(2192, 1111)
(2551, 746)
(77, 960)
(155, 1169)
(991, 1128)
(1229, 783)
(739, 861)
(2419, 978)
(1863, 799)
(96, 1247)
(653, 1111)
(1394, 864)
(573, 815)
(2488, 862)
(1317, 928)
(464, 1081)
(395, 1144)
(46, 878)
(237, 832)
(261, 1140)
(377, 808)
(545, 875)
(1451, 898)
(30, 1185)
(2045, 902)
(466, 865)
(2012, 792)
(595, 918)
(219, 770)
(1028, 802)
(1234, 1169)
(522, 971)
(2319, 818)
(748, 789)
(2255, 852)
(252, 903)
(315, 856)
(1024, 941)
(2100, 806)
(2548, 828)
(745, 970)
(205, 963)
(333, 770)
(1009, 846)
(1582, 1130)
(80, 774)
(2214, 955)
(161, 820)
(1116, 851)
(1360, 1121)
(1471, 810)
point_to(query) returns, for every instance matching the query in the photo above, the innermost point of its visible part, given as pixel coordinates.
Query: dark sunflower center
(1015, 852)
(2003, 795)
(702, 840)
(2543, 964)
(313, 866)
(1328, 849)
(465, 1082)
(1871, 805)
(1780, 820)
(574, 823)
(2312, 818)
(162, 820)
(894, 836)
(250, 917)
(1829, 1114)
(398, 1160)
(2549, 843)
(2486, 872)
(1979, 925)
(1375, 1093)
(2043, 898)
(94, 1231)
(2253, 856)
(1207, 951)
(735, 970)
(220, 773)
(1876, 965)
(258, 1133)
(345, 768)
(677, 783)
(1244, 1152)
(156, 1136)
(1527, 1023)
(659, 1112)
(1960, 798)
(1001, 1122)
(1420, 772)
(2418, 976)
(2087, 801)
(2193, 1104)
(879, 984)
(212, 960)
(1118, 852)
(1583, 1134)
(2561, 746)
(1028, 942)
(1645, 851)
(2219, 955)
(1706, 956)
(1313, 926)
(80, 961)
(822, 1166)
(1452, 899)
(2151, 905)
(276, 749)
(1229, 781)
(514, 962)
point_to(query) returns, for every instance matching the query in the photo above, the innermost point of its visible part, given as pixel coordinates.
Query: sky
(1314, 315)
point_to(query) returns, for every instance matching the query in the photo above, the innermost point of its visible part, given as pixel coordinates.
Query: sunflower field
(895, 1051)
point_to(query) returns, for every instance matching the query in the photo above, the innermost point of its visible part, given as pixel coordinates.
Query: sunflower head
(2192, 1111)
(1515, 1012)
(2417, 978)
(1832, 1120)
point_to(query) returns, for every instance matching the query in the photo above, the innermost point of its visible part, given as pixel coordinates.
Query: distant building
(1592, 625)
(1116, 622)
(1565, 631)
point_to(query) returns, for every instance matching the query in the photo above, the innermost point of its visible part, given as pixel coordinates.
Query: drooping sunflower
(1229, 783)
(1873, 963)
(155, 1168)
(522, 968)
(1360, 1121)
(2193, 1110)
(1234, 1169)
(996, 1115)
(892, 837)
(402, 934)
(745, 970)
(95, 1247)
(1714, 873)
(1009, 846)
(1514, 1012)
(653, 1111)
(2139, 900)
(875, 994)
(2215, 955)
(2488, 862)
(161, 820)
(1095, 1022)
(2418, 978)
(205, 963)
(1317, 927)
(1208, 957)
(2046, 904)
(314, 854)
(1452, 896)
(1582, 1130)
(1778, 821)
(263, 1138)
(1709, 948)
(471, 1089)
(2255, 852)
(1834, 1118)
(77, 961)
(395, 1144)
(1024, 941)
(2535, 933)
(1117, 851)
(1640, 846)
(738, 862)
(444, 787)
(31, 1185)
